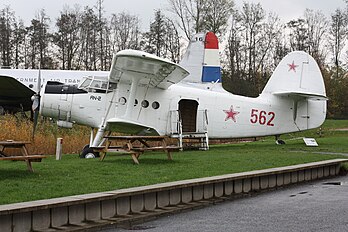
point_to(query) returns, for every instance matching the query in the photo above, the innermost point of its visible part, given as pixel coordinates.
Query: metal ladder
(188, 140)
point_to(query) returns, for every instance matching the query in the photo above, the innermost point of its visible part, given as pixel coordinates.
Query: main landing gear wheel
(88, 153)
(280, 142)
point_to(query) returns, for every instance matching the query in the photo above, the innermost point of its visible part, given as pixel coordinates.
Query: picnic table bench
(24, 155)
(129, 146)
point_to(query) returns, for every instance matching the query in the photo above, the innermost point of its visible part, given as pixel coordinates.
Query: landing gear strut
(279, 141)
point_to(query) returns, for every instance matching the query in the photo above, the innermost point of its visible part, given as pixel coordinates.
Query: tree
(162, 39)
(195, 16)
(101, 27)
(250, 50)
(67, 36)
(298, 35)
(218, 13)
(87, 58)
(189, 16)
(18, 40)
(125, 29)
(7, 19)
(338, 35)
(317, 25)
(336, 79)
(251, 18)
(39, 40)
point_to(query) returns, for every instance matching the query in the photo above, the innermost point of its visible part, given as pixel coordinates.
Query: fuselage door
(188, 114)
(66, 98)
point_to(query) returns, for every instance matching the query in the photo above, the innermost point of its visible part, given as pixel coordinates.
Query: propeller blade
(35, 120)
(39, 82)
(36, 104)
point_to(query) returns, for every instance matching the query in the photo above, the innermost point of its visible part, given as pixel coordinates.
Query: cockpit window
(85, 83)
(97, 84)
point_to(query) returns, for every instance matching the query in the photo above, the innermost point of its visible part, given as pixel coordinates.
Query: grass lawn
(71, 175)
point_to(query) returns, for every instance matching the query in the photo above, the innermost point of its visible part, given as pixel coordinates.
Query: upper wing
(148, 69)
(13, 94)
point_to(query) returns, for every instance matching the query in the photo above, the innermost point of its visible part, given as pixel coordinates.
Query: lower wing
(14, 95)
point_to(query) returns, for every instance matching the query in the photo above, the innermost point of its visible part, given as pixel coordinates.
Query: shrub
(13, 127)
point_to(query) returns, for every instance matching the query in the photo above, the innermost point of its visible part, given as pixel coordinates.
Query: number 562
(262, 117)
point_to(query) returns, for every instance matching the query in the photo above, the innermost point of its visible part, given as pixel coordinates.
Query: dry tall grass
(20, 129)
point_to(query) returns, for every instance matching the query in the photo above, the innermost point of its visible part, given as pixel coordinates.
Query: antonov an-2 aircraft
(145, 94)
(17, 86)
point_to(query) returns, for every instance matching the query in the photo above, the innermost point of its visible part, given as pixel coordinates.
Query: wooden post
(59, 148)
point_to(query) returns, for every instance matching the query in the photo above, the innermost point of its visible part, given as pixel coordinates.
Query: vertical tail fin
(298, 79)
(298, 73)
(202, 59)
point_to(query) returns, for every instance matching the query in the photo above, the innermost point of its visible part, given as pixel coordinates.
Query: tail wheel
(88, 153)
(279, 141)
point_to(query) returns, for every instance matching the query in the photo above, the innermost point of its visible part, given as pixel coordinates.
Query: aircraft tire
(87, 153)
(280, 142)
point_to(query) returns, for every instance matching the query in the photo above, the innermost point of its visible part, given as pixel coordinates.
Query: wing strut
(131, 100)
(98, 140)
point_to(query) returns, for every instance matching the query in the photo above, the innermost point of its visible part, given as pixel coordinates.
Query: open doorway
(188, 114)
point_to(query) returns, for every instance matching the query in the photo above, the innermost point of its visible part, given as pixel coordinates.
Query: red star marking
(292, 66)
(231, 114)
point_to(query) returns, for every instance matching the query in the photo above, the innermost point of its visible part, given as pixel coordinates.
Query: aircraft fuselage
(225, 115)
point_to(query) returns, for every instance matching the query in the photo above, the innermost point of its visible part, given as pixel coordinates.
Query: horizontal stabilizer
(146, 69)
(296, 95)
(129, 127)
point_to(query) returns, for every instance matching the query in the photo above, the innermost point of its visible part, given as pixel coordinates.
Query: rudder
(202, 59)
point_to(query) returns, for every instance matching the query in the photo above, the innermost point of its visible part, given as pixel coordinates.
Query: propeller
(36, 103)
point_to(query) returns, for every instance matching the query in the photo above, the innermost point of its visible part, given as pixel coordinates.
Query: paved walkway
(316, 206)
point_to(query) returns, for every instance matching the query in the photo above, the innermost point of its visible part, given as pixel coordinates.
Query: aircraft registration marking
(95, 98)
(262, 117)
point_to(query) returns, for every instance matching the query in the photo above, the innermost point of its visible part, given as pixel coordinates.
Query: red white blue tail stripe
(202, 59)
(211, 66)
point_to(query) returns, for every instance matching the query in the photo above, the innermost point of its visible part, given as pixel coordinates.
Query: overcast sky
(285, 9)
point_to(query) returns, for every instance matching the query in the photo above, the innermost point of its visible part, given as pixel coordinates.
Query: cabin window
(112, 86)
(155, 105)
(145, 103)
(135, 102)
(122, 100)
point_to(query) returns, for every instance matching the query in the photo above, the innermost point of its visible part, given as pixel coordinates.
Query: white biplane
(146, 95)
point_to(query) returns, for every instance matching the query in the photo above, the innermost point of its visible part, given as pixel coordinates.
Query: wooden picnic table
(24, 155)
(134, 150)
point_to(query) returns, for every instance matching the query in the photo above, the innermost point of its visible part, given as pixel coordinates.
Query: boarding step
(190, 135)
(192, 140)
